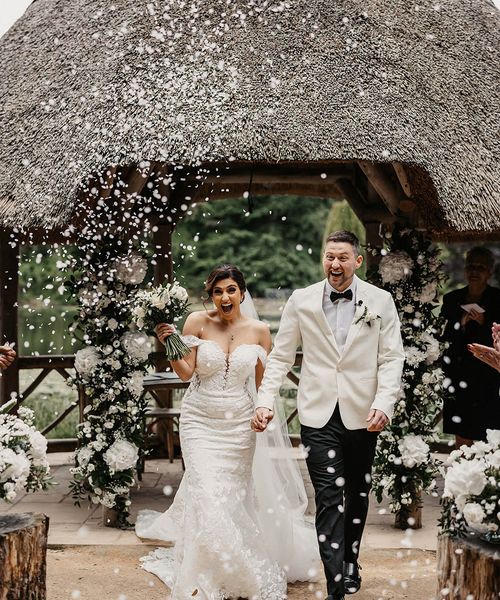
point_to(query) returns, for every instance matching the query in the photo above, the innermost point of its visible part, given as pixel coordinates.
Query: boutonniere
(366, 316)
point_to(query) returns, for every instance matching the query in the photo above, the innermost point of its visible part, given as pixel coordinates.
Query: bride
(238, 517)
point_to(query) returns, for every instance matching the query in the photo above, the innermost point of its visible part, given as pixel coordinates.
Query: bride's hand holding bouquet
(154, 310)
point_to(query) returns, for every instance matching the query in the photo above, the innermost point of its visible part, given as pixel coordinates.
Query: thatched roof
(89, 83)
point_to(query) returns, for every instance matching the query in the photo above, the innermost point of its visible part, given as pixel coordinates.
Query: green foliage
(277, 245)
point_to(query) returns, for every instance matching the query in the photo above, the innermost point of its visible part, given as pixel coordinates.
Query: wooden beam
(382, 184)
(363, 211)
(9, 283)
(402, 177)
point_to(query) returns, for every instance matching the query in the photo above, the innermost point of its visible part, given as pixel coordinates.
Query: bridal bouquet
(471, 495)
(162, 304)
(23, 454)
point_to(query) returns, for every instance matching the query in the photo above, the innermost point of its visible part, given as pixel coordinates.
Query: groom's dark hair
(345, 236)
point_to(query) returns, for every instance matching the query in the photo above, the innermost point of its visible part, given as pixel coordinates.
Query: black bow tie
(338, 295)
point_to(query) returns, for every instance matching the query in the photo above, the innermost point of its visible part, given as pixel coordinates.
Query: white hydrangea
(86, 360)
(465, 478)
(38, 447)
(14, 465)
(414, 450)
(83, 456)
(413, 356)
(121, 455)
(395, 266)
(136, 345)
(493, 437)
(130, 269)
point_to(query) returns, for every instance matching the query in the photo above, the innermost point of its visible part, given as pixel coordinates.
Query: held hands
(7, 356)
(163, 330)
(261, 418)
(376, 420)
(490, 356)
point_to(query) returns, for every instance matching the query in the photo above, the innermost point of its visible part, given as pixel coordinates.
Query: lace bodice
(217, 371)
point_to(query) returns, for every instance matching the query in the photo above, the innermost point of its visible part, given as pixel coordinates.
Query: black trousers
(339, 462)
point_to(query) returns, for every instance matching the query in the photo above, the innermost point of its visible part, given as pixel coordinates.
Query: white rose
(130, 269)
(395, 266)
(493, 437)
(121, 455)
(179, 292)
(135, 383)
(464, 478)
(136, 345)
(428, 292)
(112, 324)
(414, 450)
(83, 456)
(86, 360)
(38, 445)
(474, 513)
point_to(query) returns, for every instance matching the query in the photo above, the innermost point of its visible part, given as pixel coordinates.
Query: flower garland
(410, 269)
(106, 275)
(23, 454)
(471, 497)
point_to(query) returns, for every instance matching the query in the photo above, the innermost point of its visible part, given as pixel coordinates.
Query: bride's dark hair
(224, 272)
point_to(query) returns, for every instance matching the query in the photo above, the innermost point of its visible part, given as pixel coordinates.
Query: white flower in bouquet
(474, 514)
(464, 478)
(428, 293)
(414, 450)
(493, 459)
(86, 360)
(130, 269)
(162, 304)
(413, 356)
(395, 266)
(136, 345)
(135, 383)
(121, 455)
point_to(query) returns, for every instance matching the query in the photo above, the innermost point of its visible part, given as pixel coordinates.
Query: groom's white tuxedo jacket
(365, 375)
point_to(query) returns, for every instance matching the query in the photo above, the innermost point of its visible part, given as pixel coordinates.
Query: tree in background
(276, 245)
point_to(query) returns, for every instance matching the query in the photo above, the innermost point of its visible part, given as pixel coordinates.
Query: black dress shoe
(335, 597)
(352, 578)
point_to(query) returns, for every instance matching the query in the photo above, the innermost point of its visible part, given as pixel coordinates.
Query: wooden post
(374, 240)
(23, 556)
(9, 279)
(467, 568)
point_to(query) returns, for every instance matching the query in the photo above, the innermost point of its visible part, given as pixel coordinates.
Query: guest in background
(7, 356)
(473, 405)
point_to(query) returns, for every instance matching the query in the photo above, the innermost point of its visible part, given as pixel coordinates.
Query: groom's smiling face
(339, 264)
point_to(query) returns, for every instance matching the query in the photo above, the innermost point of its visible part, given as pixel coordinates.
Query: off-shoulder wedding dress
(237, 519)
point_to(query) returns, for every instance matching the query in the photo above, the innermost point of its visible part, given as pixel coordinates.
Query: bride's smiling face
(227, 297)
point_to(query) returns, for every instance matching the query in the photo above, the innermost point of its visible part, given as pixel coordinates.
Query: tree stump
(23, 554)
(468, 568)
(411, 517)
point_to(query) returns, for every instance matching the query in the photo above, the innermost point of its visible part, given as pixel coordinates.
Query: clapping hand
(7, 356)
(261, 418)
(490, 356)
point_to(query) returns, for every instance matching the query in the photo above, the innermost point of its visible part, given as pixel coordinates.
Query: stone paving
(73, 525)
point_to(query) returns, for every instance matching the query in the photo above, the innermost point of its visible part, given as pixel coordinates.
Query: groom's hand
(261, 418)
(376, 420)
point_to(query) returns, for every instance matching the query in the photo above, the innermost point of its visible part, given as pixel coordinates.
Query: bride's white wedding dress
(238, 532)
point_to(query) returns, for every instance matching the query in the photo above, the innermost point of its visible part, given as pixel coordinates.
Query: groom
(351, 372)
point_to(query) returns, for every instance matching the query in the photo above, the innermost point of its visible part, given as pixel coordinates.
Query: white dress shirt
(340, 313)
